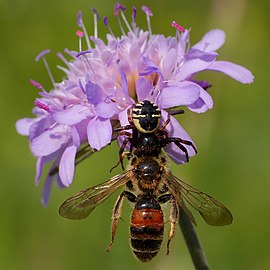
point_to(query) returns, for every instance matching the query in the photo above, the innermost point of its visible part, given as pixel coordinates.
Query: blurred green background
(232, 139)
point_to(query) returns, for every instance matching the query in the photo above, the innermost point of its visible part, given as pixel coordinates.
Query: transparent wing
(212, 211)
(83, 203)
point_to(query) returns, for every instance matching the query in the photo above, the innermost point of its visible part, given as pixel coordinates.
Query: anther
(42, 105)
(134, 15)
(80, 34)
(178, 26)
(118, 7)
(37, 85)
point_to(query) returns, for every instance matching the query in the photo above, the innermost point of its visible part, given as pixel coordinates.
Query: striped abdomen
(146, 230)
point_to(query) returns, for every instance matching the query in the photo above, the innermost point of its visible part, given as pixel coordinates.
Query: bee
(149, 184)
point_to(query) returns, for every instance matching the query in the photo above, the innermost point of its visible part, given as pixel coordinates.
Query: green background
(232, 139)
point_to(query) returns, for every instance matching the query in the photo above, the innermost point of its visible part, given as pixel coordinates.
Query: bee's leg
(130, 126)
(117, 212)
(165, 124)
(119, 129)
(163, 190)
(174, 213)
(179, 142)
(122, 149)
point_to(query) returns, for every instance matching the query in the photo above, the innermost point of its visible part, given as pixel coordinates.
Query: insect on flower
(146, 136)
(104, 79)
(149, 184)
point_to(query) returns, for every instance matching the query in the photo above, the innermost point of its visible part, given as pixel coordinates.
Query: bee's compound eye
(146, 116)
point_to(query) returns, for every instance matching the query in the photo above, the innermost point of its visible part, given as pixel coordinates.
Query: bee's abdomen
(146, 230)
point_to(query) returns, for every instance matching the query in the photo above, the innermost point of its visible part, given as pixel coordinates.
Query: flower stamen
(106, 23)
(149, 14)
(120, 8)
(80, 35)
(42, 55)
(96, 17)
(134, 15)
(81, 24)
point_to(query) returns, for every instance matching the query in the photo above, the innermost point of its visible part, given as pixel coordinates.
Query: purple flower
(103, 80)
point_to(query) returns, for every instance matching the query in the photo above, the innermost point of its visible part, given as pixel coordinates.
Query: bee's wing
(212, 211)
(83, 203)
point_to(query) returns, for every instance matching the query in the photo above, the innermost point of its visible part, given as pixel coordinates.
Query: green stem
(196, 252)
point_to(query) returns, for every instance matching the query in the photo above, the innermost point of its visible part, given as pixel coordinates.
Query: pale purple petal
(178, 93)
(67, 165)
(211, 41)
(106, 110)
(79, 133)
(41, 162)
(23, 125)
(73, 115)
(169, 62)
(125, 84)
(143, 88)
(76, 137)
(47, 190)
(235, 71)
(50, 141)
(40, 126)
(93, 92)
(99, 132)
(183, 41)
(175, 130)
(39, 169)
(123, 117)
(204, 103)
(196, 61)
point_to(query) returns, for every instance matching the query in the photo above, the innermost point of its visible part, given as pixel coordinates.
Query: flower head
(105, 79)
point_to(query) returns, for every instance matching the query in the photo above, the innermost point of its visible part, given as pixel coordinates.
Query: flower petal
(47, 190)
(79, 133)
(211, 41)
(169, 62)
(23, 125)
(235, 71)
(106, 110)
(73, 115)
(195, 61)
(39, 169)
(67, 165)
(99, 132)
(37, 128)
(178, 93)
(93, 92)
(143, 88)
(50, 141)
(203, 103)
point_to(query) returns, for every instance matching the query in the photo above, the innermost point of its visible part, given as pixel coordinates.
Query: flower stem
(196, 252)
